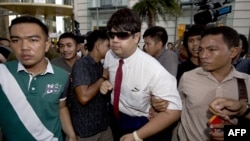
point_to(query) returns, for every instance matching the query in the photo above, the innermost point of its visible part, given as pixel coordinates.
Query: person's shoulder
(148, 62)
(146, 58)
(11, 63)
(241, 75)
(81, 62)
(195, 76)
(169, 55)
(171, 52)
(57, 59)
(59, 70)
(247, 61)
(196, 71)
(186, 65)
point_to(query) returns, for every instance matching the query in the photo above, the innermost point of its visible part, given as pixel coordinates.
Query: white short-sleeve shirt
(142, 76)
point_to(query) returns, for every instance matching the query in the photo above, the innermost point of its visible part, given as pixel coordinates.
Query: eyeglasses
(119, 35)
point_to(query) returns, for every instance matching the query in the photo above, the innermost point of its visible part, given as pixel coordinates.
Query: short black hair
(30, 19)
(229, 35)
(195, 30)
(157, 33)
(4, 51)
(68, 35)
(95, 36)
(125, 20)
(245, 45)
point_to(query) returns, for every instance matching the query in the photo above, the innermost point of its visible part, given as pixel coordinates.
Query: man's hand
(127, 137)
(152, 113)
(105, 87)
(158, 104)
(226, 107)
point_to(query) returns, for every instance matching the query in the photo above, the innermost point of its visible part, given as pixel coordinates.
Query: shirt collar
(232, 74)
(128, 59)
(49, 68)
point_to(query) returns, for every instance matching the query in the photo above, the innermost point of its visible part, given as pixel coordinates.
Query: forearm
(66, 122)
(87, 92)
(160, 122)
(93, 89)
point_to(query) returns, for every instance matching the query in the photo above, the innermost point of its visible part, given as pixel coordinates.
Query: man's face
(103, 47)
(68, 48)
(193, 45)
(215, 55)
(124, 47)
(152, 47)
(170, 46)
(29, 43)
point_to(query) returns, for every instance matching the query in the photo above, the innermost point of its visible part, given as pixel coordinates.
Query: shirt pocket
(135, 97)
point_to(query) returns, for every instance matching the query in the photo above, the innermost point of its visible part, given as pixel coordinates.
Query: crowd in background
(167, 90)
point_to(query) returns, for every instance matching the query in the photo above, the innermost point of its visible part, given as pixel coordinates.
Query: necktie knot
(121, 62)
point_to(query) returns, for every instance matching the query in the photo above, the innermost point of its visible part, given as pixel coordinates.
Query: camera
(210, 10)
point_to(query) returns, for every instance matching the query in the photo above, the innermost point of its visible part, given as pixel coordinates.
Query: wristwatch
(247, 111)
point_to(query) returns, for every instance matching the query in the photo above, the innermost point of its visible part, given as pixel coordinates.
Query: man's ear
(159, 44)
(47, 44)
(137, 37)
(235, 51)
(97, 44)
(78, 46)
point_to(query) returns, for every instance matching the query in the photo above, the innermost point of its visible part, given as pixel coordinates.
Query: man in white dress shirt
(143, 76)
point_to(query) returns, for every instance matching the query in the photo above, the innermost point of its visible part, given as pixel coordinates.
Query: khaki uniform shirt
(197, 89)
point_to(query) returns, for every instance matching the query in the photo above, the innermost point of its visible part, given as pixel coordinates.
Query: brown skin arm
(85, 93)
(66, 121)
(160, 122)
(226, 107)
(158, 103)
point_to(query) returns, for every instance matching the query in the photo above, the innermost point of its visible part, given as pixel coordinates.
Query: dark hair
(125, 20)
(195, 30)
(95, 36)
(30, 19)
(229, 35)
(157, 33)
(68, 35)
(170, 43)
(245, 45)
(4, 51)
(4, 39)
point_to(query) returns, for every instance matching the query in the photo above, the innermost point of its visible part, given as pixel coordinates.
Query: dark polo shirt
(93, 117)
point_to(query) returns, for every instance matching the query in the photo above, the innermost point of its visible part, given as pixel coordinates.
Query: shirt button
(35, 78)
(33, 88)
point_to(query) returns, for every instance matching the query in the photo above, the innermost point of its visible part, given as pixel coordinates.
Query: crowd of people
(116, 91)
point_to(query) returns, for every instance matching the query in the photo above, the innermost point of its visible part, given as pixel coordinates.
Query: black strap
(243, 97)
(242, 90)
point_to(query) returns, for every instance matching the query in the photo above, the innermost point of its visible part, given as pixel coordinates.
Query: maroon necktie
(117, 89)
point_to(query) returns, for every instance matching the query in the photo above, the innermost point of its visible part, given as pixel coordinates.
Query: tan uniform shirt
(197, 89)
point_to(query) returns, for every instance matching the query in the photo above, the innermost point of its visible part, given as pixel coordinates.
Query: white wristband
(136, 137)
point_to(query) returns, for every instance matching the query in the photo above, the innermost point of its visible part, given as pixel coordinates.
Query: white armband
(136, 137)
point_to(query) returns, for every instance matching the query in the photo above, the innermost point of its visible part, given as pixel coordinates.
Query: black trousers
(126, 124)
